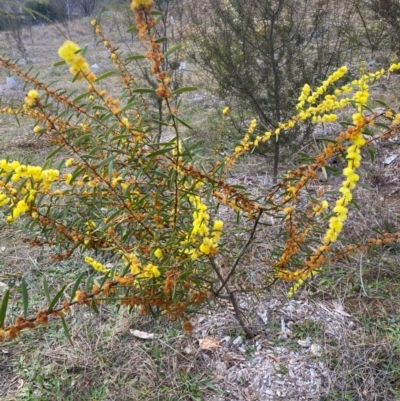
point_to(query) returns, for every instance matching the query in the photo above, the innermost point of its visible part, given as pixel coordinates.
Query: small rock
(182, 66)
(3, 287)
(390, 159)
(305, 343)
(238, 340)
(11, 83)
(316, 349)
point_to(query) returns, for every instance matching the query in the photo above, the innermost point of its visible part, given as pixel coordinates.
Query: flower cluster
(321, 207)
(209, 241)
(361, 96)
(22, 171)
(226, 111)
(353, 158)
(149, 271)
(33, 178)
(141, 3)
(32, 98)
(96, 265)
(69, 51)
(136, 268)
(244, 146)
(394, 67)
(245, 143)
(311, 97)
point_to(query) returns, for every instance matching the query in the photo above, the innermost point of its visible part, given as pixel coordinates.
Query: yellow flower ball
(143, 3)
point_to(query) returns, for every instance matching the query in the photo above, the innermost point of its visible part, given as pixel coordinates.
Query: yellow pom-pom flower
(32, 98)
(69, 162)
(150, 271)
(141, 3)
(69, 51)
(96, 265)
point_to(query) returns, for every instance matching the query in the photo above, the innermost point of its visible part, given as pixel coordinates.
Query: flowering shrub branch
(146, 206)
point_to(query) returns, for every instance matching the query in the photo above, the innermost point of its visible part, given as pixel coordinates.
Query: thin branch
(232, 298)
(242, 252)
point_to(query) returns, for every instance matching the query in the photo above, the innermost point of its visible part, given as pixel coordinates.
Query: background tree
(86, 6)
(12, 21)
(389, 12)
(36, 12)
(63, 9)
(261, 52)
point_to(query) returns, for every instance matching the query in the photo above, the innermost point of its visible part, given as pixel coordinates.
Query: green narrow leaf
(160, 152)
(105, 162)
(184, 89)
(105, 75)
(365, 186)
(81, 96)
(25, 297)
(157, 12)
(160, 122)
(160, 40)
(83, 51)
(144, 90)
(119, 137)
(371, 152)
(110, 130)
(125, 270)
(76, 285)
(106, 276)
(3, 307)
(75, 174)
(183, 122)
(158, 19)
(46, 290)
(98, 108)
(357, 206)
(381, 103)
(333, 170)
(143, 120)
(135, 57)
(132, 28)
(54, 152)
(89, 283)
(66, 331)
(62, 62)
(172, 50)
(94, 307)
(83, 138)
(382, 125)
(76, 76)
(128, 106)
(322, 139)
(110, 170)
(56, 298)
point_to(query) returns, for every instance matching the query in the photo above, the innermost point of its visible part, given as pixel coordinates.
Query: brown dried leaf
(209, 343)
(143, 335)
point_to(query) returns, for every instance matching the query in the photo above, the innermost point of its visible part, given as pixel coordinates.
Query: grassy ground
(106, 362)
